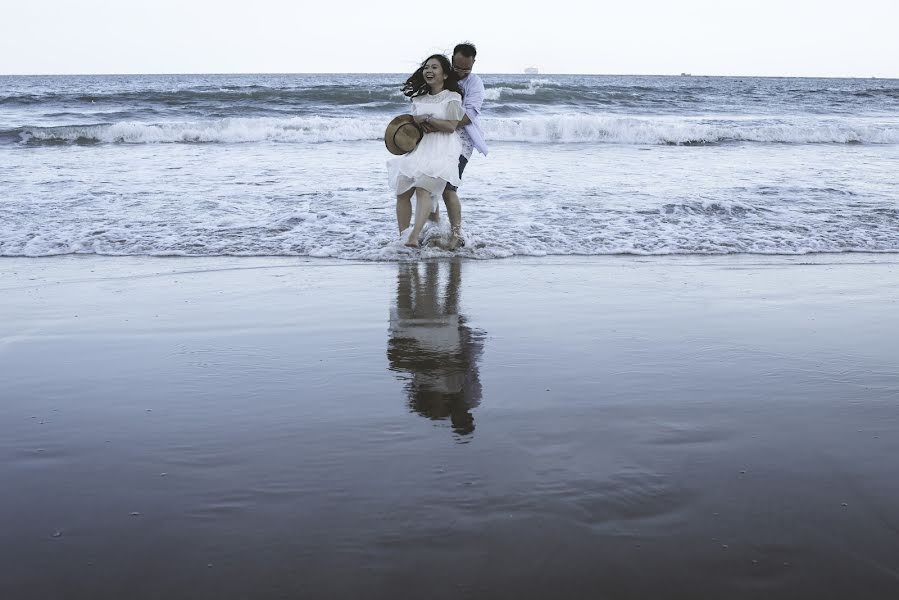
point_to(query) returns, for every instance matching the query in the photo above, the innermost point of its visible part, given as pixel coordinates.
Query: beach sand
(606, 427)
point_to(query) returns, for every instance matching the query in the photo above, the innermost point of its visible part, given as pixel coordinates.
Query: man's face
(462, 65)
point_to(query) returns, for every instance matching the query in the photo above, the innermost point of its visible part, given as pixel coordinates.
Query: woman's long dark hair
(417, 86)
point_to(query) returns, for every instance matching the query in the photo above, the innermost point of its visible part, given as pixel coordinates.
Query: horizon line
(682, 74)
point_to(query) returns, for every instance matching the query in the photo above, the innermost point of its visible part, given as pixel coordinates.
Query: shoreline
(787, 258)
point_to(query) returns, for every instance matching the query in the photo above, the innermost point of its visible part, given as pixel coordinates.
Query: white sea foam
(497, 93)
(236, 130)
(678, 130)
(485, 239)
(556, 129)
(201, 214)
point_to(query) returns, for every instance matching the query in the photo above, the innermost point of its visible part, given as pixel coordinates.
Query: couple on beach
(446, 101)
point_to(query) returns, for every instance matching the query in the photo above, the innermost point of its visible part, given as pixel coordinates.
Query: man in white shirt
(469, 131)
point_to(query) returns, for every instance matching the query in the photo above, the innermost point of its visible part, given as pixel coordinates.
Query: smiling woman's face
(433, 72)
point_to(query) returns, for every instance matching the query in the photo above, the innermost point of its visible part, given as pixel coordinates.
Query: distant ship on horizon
(531, 71)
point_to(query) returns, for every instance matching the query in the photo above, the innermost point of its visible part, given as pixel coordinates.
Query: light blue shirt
(471, 102)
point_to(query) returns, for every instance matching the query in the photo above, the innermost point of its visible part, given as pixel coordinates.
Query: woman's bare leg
(404, 210)
(422, 210)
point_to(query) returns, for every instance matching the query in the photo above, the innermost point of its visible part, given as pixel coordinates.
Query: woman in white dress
(424, 172)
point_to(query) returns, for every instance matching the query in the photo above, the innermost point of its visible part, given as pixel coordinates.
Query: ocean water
(579, 165)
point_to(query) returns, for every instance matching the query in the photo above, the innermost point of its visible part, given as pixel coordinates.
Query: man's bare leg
(435, 216)
(454, 212)
(404, 210)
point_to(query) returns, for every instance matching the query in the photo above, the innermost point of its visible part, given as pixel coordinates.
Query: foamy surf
(544, 129)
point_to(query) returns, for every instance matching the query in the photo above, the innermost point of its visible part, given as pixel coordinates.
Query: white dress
(435, 161)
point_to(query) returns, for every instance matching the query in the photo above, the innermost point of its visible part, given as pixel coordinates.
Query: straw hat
(402, 135)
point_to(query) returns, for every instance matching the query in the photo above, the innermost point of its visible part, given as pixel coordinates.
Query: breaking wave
(555, 129)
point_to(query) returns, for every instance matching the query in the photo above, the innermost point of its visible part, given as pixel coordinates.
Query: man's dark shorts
(462, 162)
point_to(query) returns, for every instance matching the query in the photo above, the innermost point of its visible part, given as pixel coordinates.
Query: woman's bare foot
(412, 242)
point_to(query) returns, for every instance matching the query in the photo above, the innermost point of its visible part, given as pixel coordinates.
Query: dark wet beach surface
(612, 428)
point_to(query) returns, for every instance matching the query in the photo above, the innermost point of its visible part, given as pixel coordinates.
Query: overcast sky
(856, 38)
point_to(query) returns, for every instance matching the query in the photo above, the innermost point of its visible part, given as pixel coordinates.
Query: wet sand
(572, 428)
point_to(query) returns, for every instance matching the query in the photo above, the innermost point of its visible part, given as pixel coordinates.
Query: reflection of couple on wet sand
(432, 346)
